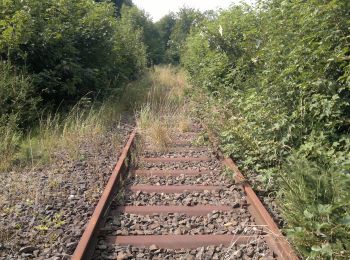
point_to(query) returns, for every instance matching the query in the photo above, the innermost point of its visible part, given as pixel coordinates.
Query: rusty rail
(87, 243)
(275, 239)
(85, 249)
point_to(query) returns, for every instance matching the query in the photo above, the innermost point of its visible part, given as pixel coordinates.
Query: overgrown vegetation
(174, 29)
(165, 105)
(63, 61)
(60, 62)
(273, 83)
(77, 147)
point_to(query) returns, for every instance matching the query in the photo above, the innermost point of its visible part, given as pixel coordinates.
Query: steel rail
(276, 240)
(87, 243)
(86, 246)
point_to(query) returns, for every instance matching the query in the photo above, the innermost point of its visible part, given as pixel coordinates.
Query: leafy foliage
(17, 108)
(321, 226)
(174, 29)
(140, 21)
(70, 47)
(55, 53)
(17, 100)
(165, 27)
(274, 81)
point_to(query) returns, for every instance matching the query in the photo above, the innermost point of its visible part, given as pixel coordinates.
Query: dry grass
(50, 153)
(153, 129)
(164, 106)
(8, 142)
(57, 133)
(184, 123)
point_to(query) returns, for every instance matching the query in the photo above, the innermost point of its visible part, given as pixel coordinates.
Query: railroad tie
(173, 173)
(175, 159)
(179, 241)
(178, 200)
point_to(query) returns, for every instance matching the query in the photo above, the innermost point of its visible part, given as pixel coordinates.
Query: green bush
(17, 97)
(150, 36)
(316, 205)
(17, 109)
(273, 81)
(70, 47)
(54, 54)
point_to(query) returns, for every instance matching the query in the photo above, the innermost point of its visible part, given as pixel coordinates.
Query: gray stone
(153, 248)
(27, 249)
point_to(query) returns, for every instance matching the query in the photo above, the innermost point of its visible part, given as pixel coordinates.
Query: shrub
(316, 204)
(273, 81)
(17, 109)
(70, 47)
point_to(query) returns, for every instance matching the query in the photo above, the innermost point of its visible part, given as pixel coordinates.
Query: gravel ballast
(236, 221)
(45, 210)
(255, 250)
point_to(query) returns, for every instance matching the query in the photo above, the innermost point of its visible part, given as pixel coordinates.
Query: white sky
(158, 8)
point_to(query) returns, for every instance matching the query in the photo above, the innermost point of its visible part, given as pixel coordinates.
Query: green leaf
(346, 221)
(308, 214)
(316, 248)
(324, 209)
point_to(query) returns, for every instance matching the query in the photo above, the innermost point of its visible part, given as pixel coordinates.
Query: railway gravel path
(180, 204)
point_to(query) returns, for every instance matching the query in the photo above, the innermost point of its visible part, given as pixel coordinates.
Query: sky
(158, 8)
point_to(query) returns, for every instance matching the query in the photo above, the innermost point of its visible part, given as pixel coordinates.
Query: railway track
(179, 205)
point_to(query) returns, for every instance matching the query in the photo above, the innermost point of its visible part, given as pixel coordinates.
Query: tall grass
(157, 98)
(9, 139)
(165, 105)
(17, 106)
(64, 134)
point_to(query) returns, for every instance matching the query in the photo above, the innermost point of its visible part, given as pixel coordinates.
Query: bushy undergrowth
(17, 106)
(316, 202)
(64, 133)
(54, 54)
(273, 81)
(70, 48)
(56, 134)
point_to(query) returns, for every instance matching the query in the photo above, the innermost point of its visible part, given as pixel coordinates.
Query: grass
(62, 134)
(35, 165)
(315, 202)
(158, 97)
(56, 135)
(184, 124)
(9, 138)
(58, 142)
(165, 105)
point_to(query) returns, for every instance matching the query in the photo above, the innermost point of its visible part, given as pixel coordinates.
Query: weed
(164, 106)
(229, 173)
(47, 223)
(160, 135)
(144, 118)
(184, 124)
(315, 201)
(57, 134)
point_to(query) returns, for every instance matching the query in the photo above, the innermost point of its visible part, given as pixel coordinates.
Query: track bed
(179, 204)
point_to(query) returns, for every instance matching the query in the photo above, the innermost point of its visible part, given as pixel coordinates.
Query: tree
(165, 27)
(150, 35)
(186, 18)
(70, 48)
